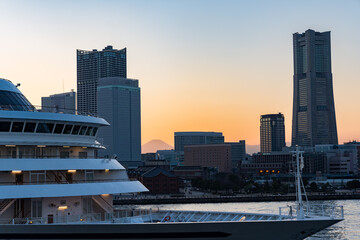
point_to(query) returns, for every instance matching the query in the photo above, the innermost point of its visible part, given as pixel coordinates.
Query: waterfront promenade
(171, 199)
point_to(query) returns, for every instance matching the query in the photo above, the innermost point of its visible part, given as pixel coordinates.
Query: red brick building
(160, 181)
(209, 155)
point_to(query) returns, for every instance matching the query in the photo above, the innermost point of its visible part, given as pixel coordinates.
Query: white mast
(299, 166)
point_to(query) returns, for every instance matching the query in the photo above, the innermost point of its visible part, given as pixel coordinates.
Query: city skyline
(210, 71)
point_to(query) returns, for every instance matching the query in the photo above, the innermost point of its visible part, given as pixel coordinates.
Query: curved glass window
(89, 131)
(17, 126)
(59, 128)
(75, 130)
(30, 127)
(82, 130)
(67, 129)
(14, 101)
(45, 128)
(4, 126)
(94, 131)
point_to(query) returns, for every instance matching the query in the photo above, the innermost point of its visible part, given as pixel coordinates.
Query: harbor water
(349, 229)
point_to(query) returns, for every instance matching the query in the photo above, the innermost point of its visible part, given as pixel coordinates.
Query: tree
(353, 184)
(313, 186)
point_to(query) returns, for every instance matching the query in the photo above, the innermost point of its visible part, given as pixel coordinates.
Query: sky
(202, 65)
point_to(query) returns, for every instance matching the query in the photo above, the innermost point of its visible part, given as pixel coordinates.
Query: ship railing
(313, 211)
(66, 182)
(324, 210)
(91, 217)
(120, 215)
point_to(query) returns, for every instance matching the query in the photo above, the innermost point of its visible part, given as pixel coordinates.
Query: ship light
(62, 207)
(16, 171)
(41, 146)
(72, 171)
(106, 170)
(10, 145)
(84, 147)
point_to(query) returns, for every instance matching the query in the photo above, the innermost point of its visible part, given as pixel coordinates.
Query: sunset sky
(202, 65)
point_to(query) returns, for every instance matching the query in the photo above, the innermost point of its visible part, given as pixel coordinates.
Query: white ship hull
(267, 230)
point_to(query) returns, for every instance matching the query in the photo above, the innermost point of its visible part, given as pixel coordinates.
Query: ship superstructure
(49, 165)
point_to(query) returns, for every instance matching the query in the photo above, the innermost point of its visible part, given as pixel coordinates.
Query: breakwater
(145, 200)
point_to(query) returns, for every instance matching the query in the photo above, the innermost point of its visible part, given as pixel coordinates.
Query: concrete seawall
(223, 199)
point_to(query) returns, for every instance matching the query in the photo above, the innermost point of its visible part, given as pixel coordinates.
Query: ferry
(53, 185)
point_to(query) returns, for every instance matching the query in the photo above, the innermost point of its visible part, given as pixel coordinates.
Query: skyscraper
(92, 65)
(272, 132)
(119, 104)
(313, 102)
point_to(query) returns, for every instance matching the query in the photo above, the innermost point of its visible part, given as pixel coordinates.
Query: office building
(341, 159)
(119, 104)
(182, 139)
(209, 155)
(59, 103)
(283, 162)
(93, 65)
(272, 133)
(313, 102)
(238, 153)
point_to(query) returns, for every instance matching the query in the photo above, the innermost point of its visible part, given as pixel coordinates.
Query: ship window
(30, 127)
(64, 154)
(76, 130)
(82, 154)
(17, 127)
(59, 128)
(94, 131)
(82, 130)
(4, 126)
(36, 208)
(14, 101)
(89, 131)
(67, 129)
(45, 128)
(89, 175)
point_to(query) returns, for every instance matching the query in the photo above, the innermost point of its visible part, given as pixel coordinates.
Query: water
(349, 229)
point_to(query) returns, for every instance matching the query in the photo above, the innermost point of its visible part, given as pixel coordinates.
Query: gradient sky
(203, 65)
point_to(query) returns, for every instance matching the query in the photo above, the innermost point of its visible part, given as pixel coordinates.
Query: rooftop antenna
(17, 85)
(63, 85)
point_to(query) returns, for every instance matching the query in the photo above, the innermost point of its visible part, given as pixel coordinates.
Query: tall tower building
(119, 104)
(313, 102)
(272, 132)
(92, 65)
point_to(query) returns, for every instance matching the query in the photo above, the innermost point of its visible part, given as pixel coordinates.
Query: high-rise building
(62, 102)
(272, 132)
(119, 104)
(182, 139)
(92, 65)
(313, 102)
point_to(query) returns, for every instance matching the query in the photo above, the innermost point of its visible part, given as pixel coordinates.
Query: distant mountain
(250, 149)
(154, 145)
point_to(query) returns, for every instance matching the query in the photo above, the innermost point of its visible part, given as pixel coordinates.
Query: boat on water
(54, 186)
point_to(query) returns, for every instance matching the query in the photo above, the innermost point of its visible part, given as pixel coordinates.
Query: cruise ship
(54, 186)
